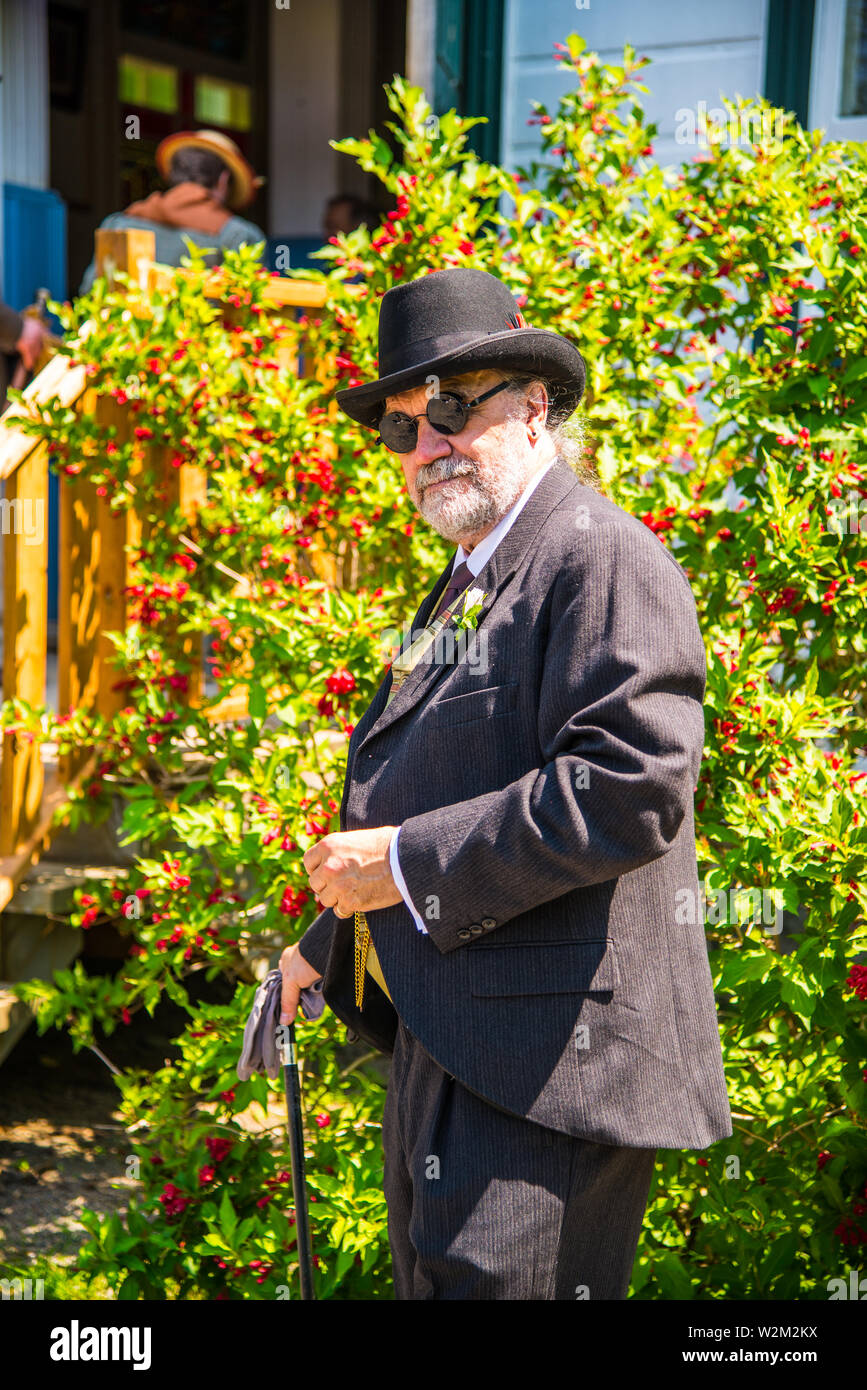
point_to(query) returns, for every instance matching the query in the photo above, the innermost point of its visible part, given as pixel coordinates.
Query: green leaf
(673, 1280)
(228, 1219)
(799, 1000)
(854, 372)
(782, 1252)
(257, 705)
(381, 153)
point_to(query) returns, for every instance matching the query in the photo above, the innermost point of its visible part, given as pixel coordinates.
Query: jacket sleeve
(11, 327)
(315, 944)
(621, 731)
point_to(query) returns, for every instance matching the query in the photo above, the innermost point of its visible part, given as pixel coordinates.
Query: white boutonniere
(469, 614)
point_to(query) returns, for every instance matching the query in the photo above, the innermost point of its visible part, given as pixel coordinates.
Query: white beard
(476, 502)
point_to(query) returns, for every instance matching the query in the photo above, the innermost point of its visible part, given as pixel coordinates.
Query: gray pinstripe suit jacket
(546, 806)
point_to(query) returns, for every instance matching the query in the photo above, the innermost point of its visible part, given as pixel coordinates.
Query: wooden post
(126, 250)
(25, 564)
(184, 487)
(78, 665)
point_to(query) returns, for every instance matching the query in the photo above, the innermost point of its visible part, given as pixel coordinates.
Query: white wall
(25, 92)
(421, 33)
(697, 52)
(304, 78)
(24, 156)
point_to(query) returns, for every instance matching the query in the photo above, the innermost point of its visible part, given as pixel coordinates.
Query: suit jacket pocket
(552, 967)
(473, 704)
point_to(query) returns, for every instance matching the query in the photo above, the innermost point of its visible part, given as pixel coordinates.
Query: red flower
(322, 1120)
(660, 522)
(293, 901)
(173, 1201)
(218, 1148)
(857, 980)
(207, 1174)
(341, 682)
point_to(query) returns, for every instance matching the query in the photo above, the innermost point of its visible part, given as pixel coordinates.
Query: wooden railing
(93, 564)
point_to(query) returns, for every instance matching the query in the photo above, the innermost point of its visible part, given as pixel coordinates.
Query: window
(853, 96)
(153, 85)
(222, 103)
(838, 75)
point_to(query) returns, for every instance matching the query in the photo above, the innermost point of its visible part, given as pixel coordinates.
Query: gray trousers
(483, 1204)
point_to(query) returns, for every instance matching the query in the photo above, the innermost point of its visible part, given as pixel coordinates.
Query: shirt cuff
(400, 882)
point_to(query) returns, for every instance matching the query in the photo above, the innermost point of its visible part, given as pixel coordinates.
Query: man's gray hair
(568, 436)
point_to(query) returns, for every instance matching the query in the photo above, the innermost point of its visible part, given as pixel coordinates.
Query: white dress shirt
(476, 560)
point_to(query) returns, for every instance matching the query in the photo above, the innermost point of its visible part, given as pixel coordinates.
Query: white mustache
(458, 473)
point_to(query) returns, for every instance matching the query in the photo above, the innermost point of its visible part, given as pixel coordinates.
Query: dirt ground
(62, 1146)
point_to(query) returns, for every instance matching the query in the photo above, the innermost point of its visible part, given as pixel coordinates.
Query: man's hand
(349, 871)
(297, 975)
(32, 341)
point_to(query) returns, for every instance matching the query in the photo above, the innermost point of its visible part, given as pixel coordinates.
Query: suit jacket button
(464, 934)
(488, 923)
(476, 929)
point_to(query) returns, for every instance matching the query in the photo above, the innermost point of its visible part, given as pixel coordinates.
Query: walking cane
(295, 1125)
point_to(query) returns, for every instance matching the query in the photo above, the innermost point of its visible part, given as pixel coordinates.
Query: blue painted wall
(34, 256)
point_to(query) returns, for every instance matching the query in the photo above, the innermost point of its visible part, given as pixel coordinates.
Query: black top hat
(455, 321)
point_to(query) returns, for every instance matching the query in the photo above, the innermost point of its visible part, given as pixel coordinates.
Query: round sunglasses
(447, 413)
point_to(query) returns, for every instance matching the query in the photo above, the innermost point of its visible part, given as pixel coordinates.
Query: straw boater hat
(455, 321)
(245, 182)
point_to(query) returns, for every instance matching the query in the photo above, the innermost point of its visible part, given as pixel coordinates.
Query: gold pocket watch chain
(362, 943)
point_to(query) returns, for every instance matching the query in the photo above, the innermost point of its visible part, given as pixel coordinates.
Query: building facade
(90, 87)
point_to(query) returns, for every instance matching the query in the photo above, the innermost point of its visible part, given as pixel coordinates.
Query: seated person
(209, 179)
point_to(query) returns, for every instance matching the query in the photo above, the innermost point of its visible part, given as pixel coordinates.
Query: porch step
(15, 1019)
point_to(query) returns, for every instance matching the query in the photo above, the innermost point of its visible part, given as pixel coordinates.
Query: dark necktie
(456, 585)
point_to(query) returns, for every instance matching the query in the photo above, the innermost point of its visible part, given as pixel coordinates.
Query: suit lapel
(557, 483)
(377, 704)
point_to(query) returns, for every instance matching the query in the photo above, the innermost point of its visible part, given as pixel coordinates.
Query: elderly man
(517, 837)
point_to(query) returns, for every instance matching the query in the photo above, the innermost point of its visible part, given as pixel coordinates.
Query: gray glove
(259, 1048)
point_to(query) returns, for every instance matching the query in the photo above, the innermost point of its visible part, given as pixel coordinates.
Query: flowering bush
(720, 309)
